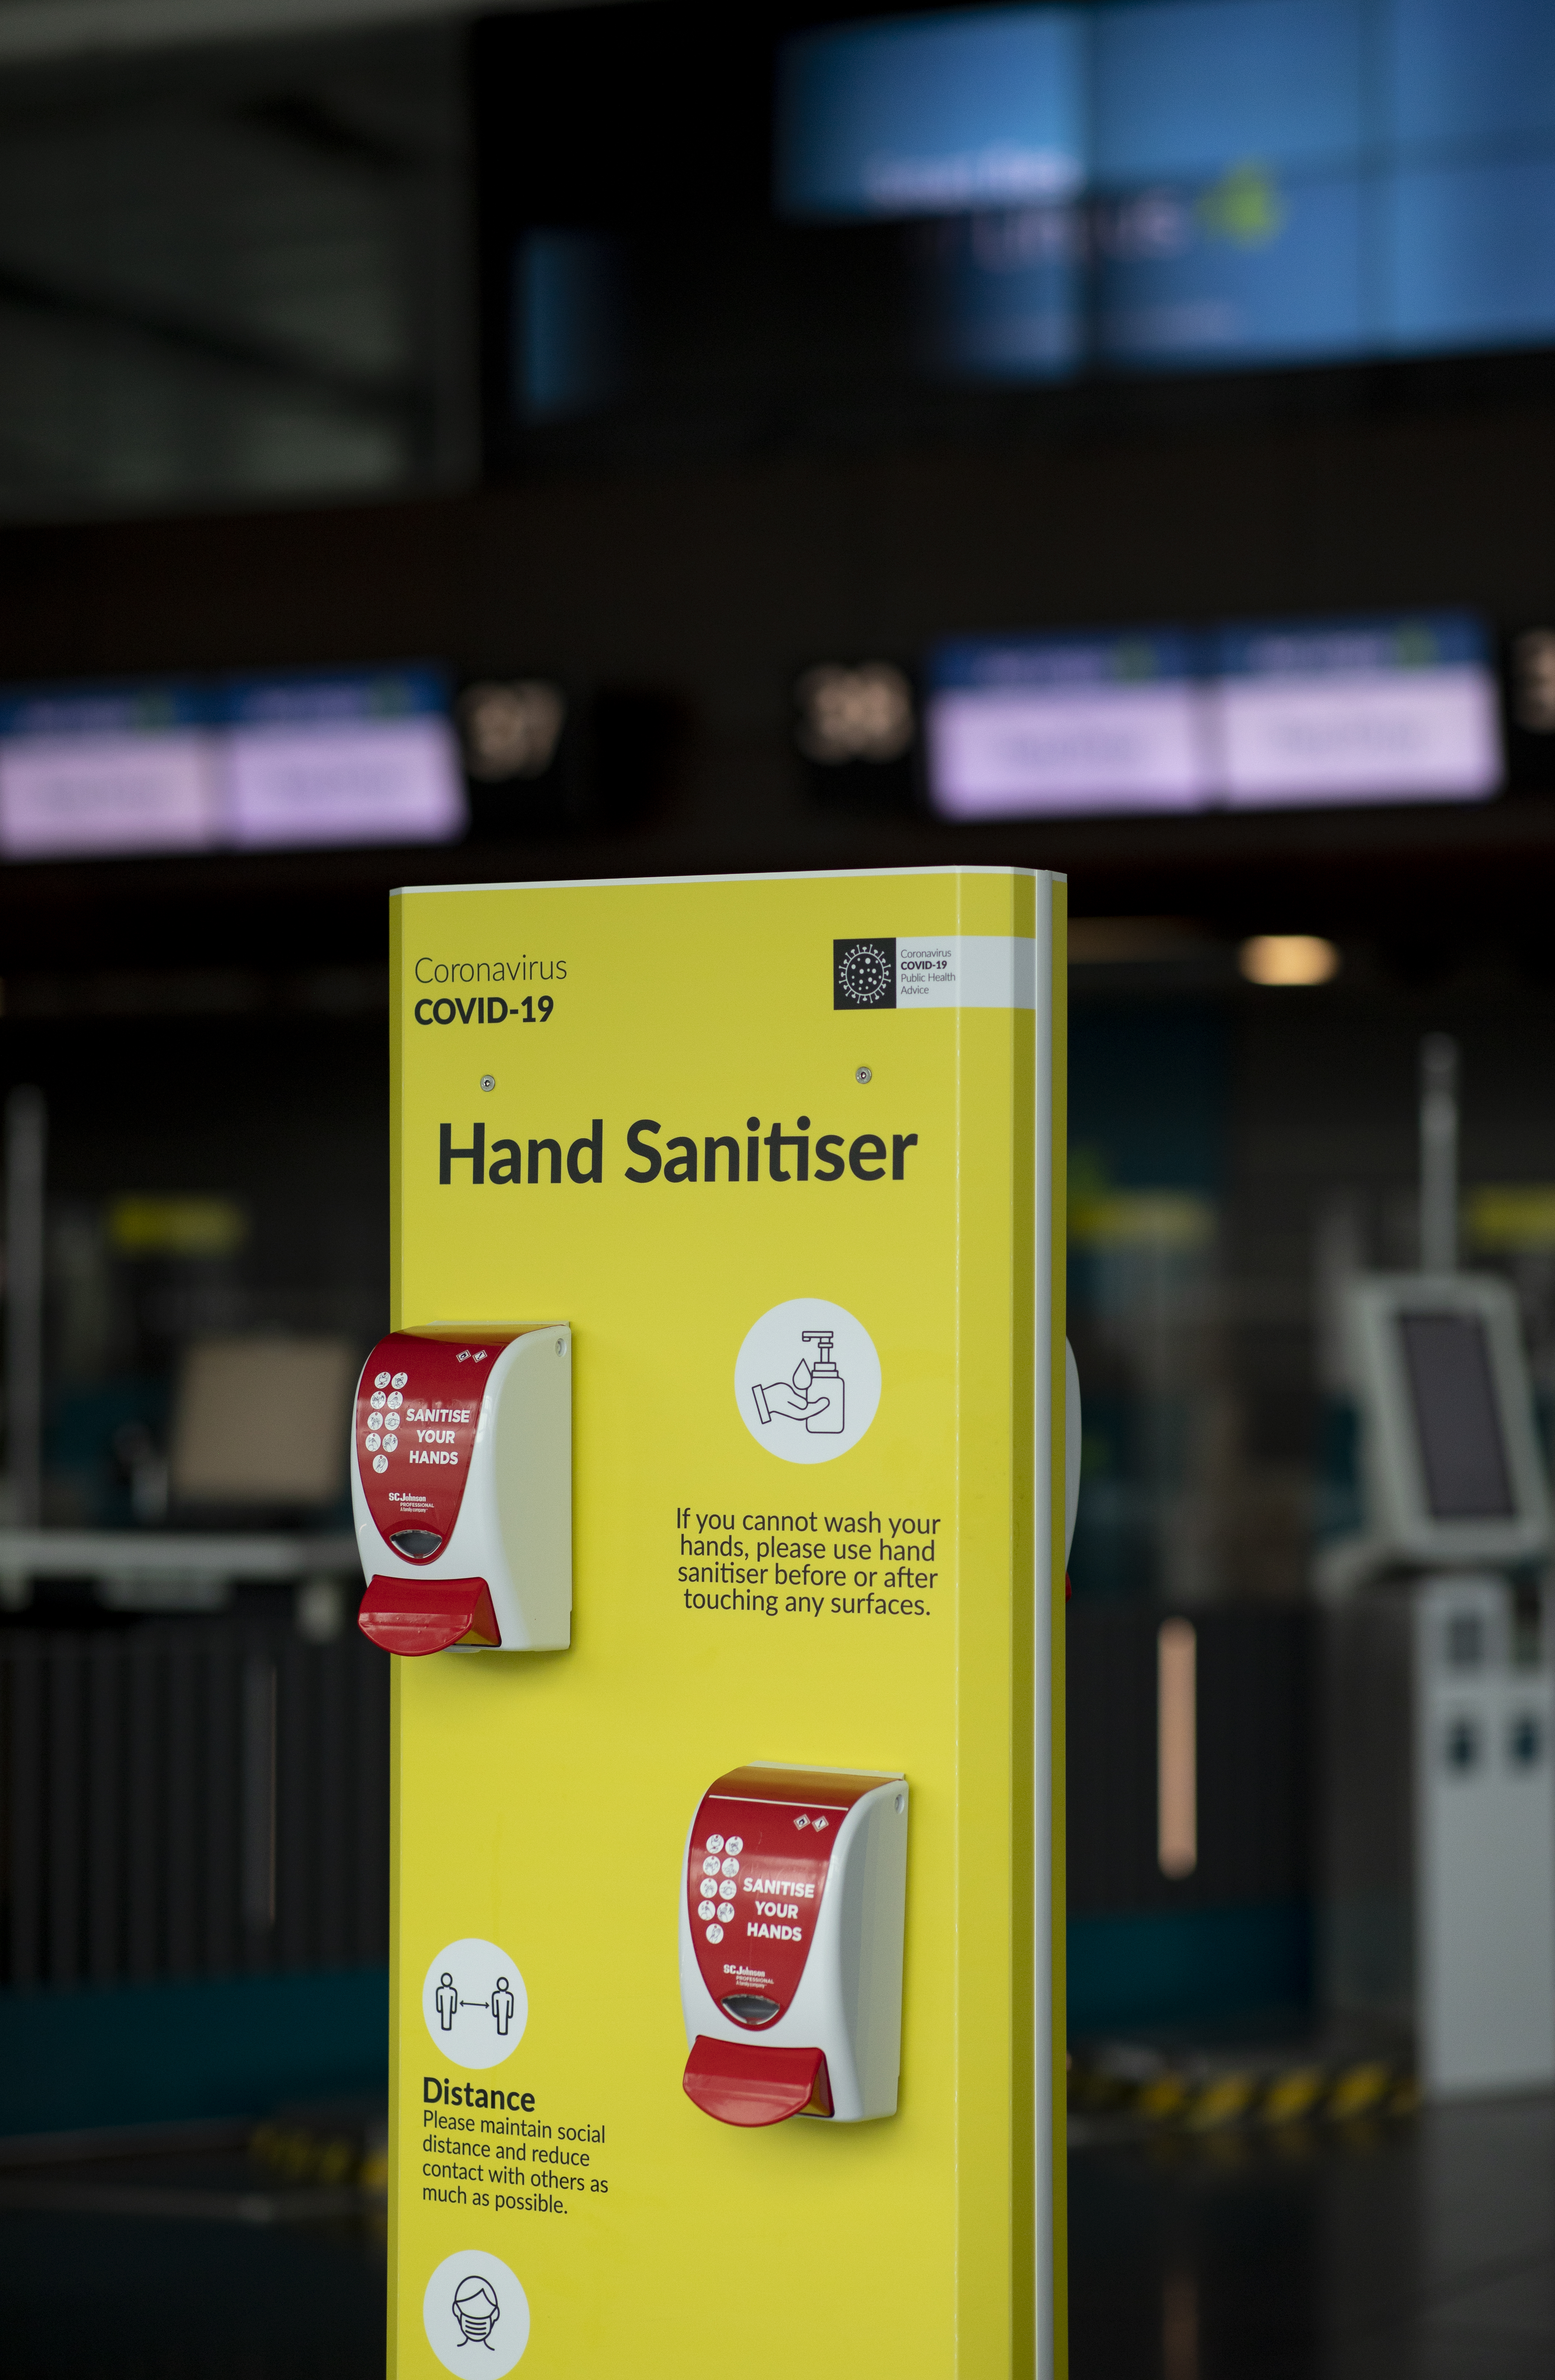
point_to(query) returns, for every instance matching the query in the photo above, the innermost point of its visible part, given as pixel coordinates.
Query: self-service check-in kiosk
(727, 1620)
(1439, 1821)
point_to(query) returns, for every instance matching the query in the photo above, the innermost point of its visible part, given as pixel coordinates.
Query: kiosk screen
(1457, 1420)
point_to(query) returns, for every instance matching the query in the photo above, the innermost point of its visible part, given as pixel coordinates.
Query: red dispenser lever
(427, 1615)
(741, 2085)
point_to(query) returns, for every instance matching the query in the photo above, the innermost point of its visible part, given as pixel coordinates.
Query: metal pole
(26, 1139)
(1439, 1153)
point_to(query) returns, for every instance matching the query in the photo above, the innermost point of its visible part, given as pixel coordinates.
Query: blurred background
(646, 438)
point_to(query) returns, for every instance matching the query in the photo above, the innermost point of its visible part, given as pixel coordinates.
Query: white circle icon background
(475, 2004)
(463, 2330)
(788, 1398)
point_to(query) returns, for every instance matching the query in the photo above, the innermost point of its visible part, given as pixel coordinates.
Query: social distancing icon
(474, 2003)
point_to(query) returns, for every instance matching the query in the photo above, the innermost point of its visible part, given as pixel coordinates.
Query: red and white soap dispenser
(461, 1485)
(792, 1907)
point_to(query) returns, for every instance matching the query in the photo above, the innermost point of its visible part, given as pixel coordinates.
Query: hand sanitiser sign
(709, 1488)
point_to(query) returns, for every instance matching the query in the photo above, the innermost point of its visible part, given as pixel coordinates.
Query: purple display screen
(1290, 715)
(1049, 726)
(263, 764)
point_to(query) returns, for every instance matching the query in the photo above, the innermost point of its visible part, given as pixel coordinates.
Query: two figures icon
(815, 1393)
(500, 2003)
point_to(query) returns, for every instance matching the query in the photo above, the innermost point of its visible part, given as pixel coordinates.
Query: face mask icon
(476, 2311)
(474, 2314)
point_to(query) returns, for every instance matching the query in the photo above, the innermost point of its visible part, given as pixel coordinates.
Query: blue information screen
(1192, 183)
(933, 116)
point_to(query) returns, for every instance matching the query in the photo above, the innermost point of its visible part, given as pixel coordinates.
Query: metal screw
(487, 1082)
(863, 1075)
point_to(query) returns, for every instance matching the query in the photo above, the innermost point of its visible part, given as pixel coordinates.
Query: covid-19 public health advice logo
(864, 973)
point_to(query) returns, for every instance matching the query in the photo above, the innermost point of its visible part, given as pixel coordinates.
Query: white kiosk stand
(1438, 1808)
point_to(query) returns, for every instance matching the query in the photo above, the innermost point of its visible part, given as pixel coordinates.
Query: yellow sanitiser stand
(787, 1154)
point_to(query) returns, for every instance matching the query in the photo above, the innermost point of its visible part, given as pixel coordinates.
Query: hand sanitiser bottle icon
(825, 1377)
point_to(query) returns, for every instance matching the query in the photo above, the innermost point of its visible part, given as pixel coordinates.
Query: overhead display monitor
(953, 199)
(1250, 181)
(1279, 715)
(107, 772)
(273, 763)
(1046, 726)
(346, 758)
(932, 115)
(1357, 710)
(1185, 88)
(1248, 268)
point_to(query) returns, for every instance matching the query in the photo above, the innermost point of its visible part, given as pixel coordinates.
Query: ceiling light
(1288, 958)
